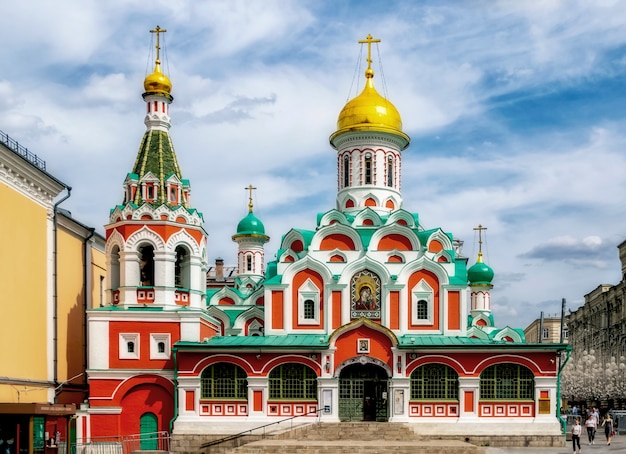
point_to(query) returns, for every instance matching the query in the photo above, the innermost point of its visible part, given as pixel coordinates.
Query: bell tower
(156, 243)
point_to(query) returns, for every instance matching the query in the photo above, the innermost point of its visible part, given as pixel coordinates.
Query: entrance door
(363, 393)
(148, 428)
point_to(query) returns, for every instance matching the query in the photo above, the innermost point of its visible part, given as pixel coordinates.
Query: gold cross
(158, 30)
(250, 188)
(480, 229)
(369, 40)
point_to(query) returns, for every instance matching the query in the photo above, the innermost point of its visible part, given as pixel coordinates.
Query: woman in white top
(591, 426)
(576, 431)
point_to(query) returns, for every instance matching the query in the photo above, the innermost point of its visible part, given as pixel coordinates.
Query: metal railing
(18, 149)
(249, 431)
(127, 444)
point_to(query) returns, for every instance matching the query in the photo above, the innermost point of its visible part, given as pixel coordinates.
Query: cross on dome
(250, 188)
(369, 72)
(480, 229)
(158, 30)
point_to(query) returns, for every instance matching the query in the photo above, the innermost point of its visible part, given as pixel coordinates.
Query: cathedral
(369, 316)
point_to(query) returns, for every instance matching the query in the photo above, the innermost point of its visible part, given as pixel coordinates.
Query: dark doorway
(363, 393)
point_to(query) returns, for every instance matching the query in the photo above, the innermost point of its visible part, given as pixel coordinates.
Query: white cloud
(258, 87)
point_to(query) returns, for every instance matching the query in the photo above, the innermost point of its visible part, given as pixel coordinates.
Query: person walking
(591, 426)
(608, 428)
(577, 430)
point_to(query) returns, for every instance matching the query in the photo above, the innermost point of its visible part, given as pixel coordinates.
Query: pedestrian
(608, 428)
(591, 426)
(576, 432)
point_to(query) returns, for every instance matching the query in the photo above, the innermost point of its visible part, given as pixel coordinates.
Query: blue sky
(516, 112)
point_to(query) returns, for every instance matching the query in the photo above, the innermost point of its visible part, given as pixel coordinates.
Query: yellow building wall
(24, 304)
(72, 305)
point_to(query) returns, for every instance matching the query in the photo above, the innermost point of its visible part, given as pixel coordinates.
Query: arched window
(293, 381)
(115, 267)
(146, 265)
(507, 381)
(130, 347)
(346, 171)
(390, 171)
(309, 309)
(224, 381)
(182, 271)
(434, 381)
(422, 310)
(368, 169)
(161, 347)
(248, 262)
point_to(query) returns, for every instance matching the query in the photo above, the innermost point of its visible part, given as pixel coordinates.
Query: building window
(545, 333)
(308, 304)
(565, 333)
(309, 310)
(422, 310)
(129, 346)
(434, 381)
(182, 269)
(224, 381)
(346, 171)
(423, 304)
(160, 346)
(146, 265)
(390, 171)
(248, 262)
(293, 381)
(507, 381)
(368, 169)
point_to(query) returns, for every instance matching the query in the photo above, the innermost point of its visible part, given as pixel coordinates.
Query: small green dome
(480, 273)
(250, 225)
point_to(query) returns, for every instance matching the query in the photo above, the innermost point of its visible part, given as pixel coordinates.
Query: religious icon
(365, 295)
(365, 301)
(363, 346)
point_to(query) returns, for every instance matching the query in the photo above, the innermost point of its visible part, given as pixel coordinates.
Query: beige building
(52, 270)
(600, 324)
(547, 329)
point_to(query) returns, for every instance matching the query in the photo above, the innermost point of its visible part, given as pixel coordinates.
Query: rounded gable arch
(115, 239)
(339, 235)
(126, 386)
(307, 263)
(455, 364)
(143, 235)
(183, 238)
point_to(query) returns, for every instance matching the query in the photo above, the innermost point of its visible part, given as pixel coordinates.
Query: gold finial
(158, 30)
(369, 72)
(480, 229)
(250, 188)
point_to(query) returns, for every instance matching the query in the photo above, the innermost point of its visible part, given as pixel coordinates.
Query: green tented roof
(156, 154)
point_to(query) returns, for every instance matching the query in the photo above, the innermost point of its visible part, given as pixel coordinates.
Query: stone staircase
(353, 438)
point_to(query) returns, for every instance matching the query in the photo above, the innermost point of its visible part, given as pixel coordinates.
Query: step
(357, 447)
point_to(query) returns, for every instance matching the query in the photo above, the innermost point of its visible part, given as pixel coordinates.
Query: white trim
(124, 339)
(155, 339)
(422, 291)
(308, 291)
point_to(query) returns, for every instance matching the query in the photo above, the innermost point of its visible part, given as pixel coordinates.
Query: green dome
(480, 273)
(250, 225)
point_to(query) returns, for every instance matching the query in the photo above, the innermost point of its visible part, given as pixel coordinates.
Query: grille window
(293, 381)
(434, 381)
(422, 310)
(507, 381)
(224, 381)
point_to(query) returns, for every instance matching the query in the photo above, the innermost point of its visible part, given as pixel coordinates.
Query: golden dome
(369, 111)
(157, 82)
